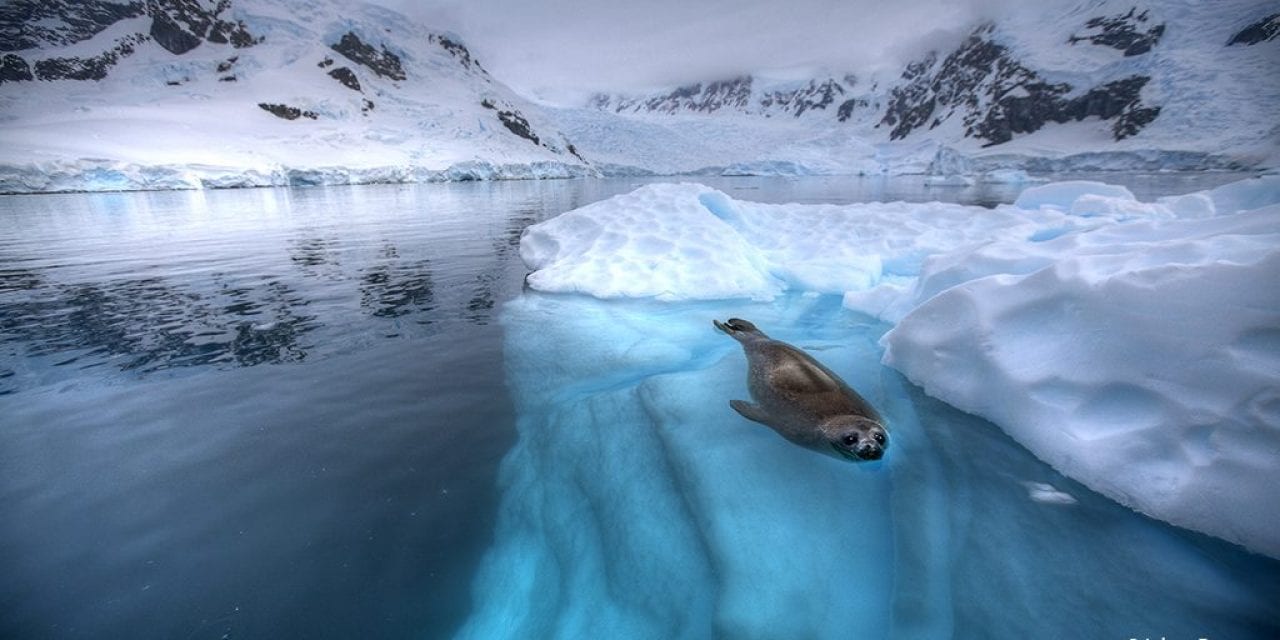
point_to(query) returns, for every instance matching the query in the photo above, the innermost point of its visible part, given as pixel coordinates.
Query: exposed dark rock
(13, 68)
(226, 65)
(818, 95)
(366, 105)
(996, 97)
(1265, 29)
(846, 108)
(912, 104)
(287, 112)
(574, 151)
(28, 24)
(346, 77)
(325, 63)
(457, 50)
(517, 124)
(708, 98)
(181, 25)
(1122, 32)
(168, 34)
(1117, 100)
(740, 94)
(227, 79)
(487, 103)
(92, 68)
(383, 63)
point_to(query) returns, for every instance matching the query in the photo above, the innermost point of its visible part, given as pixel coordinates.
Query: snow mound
(1142, 359)
(1130, 344)
(691, 242)
(1063, 195)
(658, 241)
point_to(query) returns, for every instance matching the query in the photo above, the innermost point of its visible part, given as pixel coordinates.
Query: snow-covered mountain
(1098, 85)
(191, 93)
(744, 94)
(111, 94)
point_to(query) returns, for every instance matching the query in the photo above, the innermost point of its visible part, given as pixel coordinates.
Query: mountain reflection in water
(238, 296)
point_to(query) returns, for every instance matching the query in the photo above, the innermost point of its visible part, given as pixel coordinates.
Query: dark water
(274, 413)
(266, 413)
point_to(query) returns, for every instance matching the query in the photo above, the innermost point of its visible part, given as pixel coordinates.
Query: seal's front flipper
(750, 411)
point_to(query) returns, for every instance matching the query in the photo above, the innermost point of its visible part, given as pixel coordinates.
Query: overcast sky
(556, 48)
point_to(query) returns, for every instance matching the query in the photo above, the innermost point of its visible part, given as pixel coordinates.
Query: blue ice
(637, 504)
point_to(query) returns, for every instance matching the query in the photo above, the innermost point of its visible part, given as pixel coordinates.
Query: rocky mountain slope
(191, 93)
(123, 94)
(1099, 85)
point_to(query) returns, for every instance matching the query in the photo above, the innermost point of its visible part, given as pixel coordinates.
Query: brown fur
(802, 400)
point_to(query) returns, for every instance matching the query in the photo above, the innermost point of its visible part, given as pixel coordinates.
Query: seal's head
(856, 438)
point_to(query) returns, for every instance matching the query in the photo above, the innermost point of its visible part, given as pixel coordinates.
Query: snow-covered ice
(1143, 359)
(1132, 345)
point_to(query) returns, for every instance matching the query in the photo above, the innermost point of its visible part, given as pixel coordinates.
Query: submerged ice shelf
(637, 504)
(1130, 344)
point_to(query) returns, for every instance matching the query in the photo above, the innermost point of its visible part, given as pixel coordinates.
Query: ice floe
(1132, 345)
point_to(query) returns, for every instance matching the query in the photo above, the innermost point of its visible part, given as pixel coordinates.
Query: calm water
(280, 413)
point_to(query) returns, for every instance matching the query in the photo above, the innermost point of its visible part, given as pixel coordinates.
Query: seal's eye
(849, 441)
(879, 438)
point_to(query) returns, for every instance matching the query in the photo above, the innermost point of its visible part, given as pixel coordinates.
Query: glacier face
(1078, 315)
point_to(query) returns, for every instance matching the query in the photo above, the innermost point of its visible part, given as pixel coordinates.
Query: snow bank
(1131, 345)
(658, 241)
(1063, 195)
(691, 242)
(1142, 359)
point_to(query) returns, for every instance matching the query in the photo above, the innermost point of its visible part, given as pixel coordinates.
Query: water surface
(281, 412)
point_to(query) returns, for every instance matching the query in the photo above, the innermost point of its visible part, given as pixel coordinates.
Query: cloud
(558, 47)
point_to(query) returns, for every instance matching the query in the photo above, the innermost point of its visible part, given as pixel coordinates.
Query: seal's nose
(870, 452)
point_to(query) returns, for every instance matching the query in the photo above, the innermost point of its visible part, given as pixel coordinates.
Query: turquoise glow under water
(637, 504)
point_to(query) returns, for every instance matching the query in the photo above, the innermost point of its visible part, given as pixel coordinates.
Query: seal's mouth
(846, 454)
(853, 455)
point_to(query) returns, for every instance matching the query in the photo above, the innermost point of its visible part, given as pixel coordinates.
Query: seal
(804, 401)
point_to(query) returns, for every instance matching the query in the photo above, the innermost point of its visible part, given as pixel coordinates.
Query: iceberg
(1133, 354)
(1129, 344)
